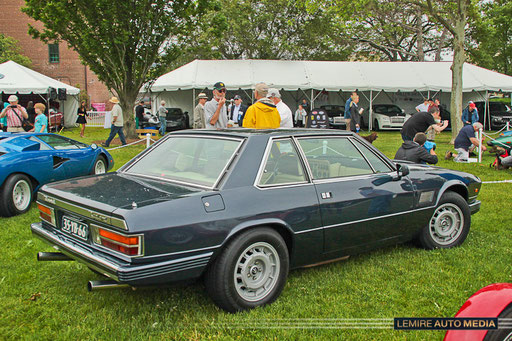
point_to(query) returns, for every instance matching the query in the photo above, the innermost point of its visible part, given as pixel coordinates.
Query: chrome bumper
(144, 274)
(475, 207)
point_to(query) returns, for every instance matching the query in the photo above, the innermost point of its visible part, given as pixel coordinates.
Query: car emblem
(48, 199)
(98, 216)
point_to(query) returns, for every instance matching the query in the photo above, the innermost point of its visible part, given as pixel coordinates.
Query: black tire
(449, 225)
(16, 195)
(262, 255)
(501, 334)
(97, 166)
(376, 126)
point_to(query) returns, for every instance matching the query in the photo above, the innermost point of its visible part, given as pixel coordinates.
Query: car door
(74, 157)
(362, 201)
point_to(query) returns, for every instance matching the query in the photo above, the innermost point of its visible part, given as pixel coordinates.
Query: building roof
(330, 76)
(15, 78)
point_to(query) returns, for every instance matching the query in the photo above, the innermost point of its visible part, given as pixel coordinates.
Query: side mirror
(401, 171)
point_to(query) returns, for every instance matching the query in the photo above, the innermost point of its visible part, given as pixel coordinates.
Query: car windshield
(498, 107)
(196, 160)
(388, 110)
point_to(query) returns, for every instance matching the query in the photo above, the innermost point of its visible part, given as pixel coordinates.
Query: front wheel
(250, 272)
(100, 166)
(16, 195)
(376, 126)
(449, 225)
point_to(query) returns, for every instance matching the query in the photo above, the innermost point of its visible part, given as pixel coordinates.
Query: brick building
(53, 60)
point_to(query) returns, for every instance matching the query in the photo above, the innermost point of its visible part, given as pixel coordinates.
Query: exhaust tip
(102, 285)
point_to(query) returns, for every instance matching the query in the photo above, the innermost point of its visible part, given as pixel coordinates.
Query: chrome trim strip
(379, 217)
(276, 186)
(310, 230)
(94, 215)
(362, 220)
(183, 252)
(345, 178)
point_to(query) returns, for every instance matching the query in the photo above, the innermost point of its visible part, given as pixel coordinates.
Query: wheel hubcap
(257, 271)
(21, 195)
(446, 224)
(100, 167)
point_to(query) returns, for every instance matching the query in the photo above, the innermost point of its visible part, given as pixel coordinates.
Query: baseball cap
(472, 105)
(12, 98)
(202, 95)
(219, 86)
(262, 89)
(274, 93)
(237, 97)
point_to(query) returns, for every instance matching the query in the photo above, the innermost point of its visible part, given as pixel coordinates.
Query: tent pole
(312, 100)
(486, 110)
(370, 111)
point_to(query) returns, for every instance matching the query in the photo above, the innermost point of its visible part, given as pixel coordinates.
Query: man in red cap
(470, 114)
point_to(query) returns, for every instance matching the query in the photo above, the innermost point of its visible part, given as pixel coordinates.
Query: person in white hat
(198, 120)
(15, 114)
(117, 123)
(284, 111)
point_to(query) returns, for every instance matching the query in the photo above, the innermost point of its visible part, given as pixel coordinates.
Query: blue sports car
(30, 160)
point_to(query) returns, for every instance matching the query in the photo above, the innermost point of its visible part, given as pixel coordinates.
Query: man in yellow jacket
(263, 114)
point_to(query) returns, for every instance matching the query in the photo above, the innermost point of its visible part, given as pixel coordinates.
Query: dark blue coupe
(30, 160)
(242, 207)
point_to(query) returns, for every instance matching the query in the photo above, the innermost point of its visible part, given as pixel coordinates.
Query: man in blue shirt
(465, 142)
(470, 114)
(347, 114)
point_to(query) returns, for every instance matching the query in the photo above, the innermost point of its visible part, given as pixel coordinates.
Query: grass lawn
(49, 300)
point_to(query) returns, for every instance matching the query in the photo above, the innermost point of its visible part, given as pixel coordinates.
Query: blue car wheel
(16, 195)
(100, 166)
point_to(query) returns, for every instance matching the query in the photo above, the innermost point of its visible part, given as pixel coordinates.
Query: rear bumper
(475, 207)
(133, 274)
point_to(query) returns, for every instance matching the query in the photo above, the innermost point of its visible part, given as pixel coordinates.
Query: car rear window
(194, 160)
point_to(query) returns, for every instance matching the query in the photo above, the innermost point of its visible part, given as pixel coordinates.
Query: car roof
(245, 132)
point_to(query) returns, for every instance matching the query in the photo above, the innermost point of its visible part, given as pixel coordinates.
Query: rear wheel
(250, 272)
(16, 195)
(100, 166)
(504, 334)
(449, 225)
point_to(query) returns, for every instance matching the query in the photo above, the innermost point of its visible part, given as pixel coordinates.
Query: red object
(486, 302)
(472, 105)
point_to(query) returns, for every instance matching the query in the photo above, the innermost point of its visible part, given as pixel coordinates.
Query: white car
(385, 116)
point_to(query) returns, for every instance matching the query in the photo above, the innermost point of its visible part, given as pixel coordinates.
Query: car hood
(111, 191)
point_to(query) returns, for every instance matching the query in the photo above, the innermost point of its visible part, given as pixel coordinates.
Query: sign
(98, 106)
(317, 119)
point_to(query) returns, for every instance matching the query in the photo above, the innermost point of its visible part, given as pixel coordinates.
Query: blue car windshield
(192, 159)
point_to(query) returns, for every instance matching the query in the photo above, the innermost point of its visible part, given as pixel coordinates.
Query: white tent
(325, 81)
(17, 79)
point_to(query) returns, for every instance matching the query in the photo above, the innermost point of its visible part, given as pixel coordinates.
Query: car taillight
(128, 245)
(46, 213)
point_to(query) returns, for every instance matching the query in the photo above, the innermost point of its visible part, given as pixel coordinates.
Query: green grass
(400, 281)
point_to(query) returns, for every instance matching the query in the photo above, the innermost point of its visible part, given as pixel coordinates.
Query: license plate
(75, 228)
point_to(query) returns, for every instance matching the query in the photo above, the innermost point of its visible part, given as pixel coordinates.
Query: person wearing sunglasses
(215, 111)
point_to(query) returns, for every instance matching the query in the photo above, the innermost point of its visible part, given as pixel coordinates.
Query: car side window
(58, 142)
(42, 146)
(377, 164)
(333, 157)
(282, 165)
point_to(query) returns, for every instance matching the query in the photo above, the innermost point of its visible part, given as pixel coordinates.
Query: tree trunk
(457, 65)
(442, 40)
(419, 35)
(127, 100)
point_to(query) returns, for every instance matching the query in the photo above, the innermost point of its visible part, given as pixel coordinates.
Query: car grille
(397, 120)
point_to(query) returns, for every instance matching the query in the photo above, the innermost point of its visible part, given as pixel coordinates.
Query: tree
(453, 15)
(9, 50)
(124, 42)
(492, 37)
(392, 29)
(265, 29)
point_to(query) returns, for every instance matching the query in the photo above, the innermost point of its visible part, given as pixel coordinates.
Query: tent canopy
(330, 76)
(15, 78)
